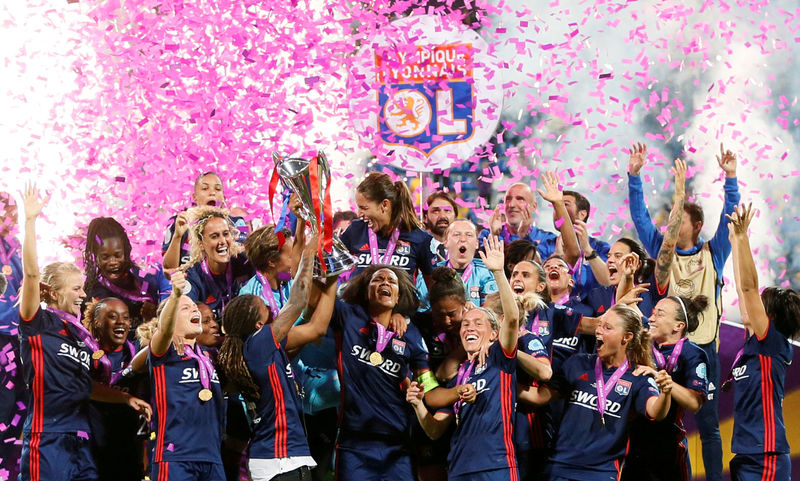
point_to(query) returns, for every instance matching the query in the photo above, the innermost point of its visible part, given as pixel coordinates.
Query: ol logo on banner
(426, 96)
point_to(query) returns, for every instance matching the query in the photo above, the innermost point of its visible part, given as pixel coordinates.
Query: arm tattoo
(298, 298)
(667, 252)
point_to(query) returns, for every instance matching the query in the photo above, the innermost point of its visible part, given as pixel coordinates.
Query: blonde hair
(54, 278)
(146, 330)
(198, 218)
(526, 302)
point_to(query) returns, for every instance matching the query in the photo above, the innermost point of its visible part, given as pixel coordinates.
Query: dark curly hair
(356, 290)
(446, 283)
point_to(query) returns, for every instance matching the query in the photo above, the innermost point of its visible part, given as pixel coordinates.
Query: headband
(683, 306)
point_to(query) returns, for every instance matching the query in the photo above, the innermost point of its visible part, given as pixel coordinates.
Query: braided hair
(239, 321)
(101, 229)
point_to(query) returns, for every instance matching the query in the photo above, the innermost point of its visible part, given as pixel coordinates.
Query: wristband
(591, 256)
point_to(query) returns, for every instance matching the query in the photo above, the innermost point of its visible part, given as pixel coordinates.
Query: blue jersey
(572, 342)
(413, 250)
(583, 275)
(483, 437)
(373, 400)
(278, 430)
(535, 235)
(602, 298)
(479, 284)
(214, 290)
(238, 222)
(554, 323)
(56, 369)
(12, 269)
(530, 428)
(187, 429)
(114, 439)
(154, 285)
(662, 437)
(584, 444)
(758, 380)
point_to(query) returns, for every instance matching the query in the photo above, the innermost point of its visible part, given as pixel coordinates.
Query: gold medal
(205, 394)
(98, 354)
(375, 358)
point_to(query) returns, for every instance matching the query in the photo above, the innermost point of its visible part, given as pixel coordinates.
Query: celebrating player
(758, 373)
(56, 351)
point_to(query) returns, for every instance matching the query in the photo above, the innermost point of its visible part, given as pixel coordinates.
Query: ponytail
(690, 309)
(446, 282)
(403, 212)
(637, 349)
(239, 321)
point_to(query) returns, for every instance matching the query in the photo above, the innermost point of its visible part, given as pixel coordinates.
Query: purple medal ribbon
(464, 372)
(122, 293)
(603, 388)
(267, 295)
(672, 362)
(467, 271)
(387, 254)
(228, 279)
(563, 299)
(535, 324)
(384, 335)
(204, 366)
(117, 375)
(83, 335)
(729, 380)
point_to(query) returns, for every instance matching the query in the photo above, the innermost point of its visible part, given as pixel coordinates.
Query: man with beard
(441, 211)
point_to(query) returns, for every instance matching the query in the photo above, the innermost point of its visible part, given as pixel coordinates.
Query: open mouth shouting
(518, 287)
(222, 250)
(119, 334)
(196, 319)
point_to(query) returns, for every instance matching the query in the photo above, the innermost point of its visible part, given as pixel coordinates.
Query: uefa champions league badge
(424, 92)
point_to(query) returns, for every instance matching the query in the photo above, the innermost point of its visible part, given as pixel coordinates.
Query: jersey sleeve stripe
(768, 408)
(37, 360)
(280, 412)
(507, 415)
(161, 411)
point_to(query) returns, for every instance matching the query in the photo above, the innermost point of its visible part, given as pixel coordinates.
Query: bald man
(515, 220)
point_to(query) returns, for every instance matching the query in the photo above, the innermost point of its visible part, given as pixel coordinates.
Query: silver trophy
(295, 175)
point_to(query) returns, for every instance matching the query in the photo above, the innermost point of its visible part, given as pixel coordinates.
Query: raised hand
(178, 281)
(497, 220)
(295, 205)
(583, 235)
(551, 193)
(740, 219)
(727, 161)
(679, 171)
(181, 224)
(629, 264)
(526, 222)
(30, 199)
(638, 155)
(493, 258)
(631, 298)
